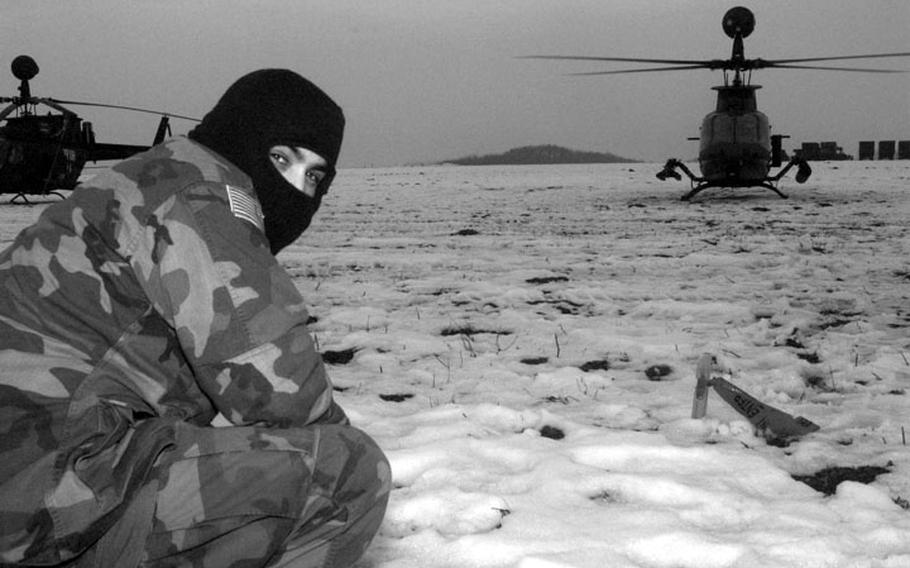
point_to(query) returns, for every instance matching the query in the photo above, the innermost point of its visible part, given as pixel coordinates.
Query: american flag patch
(244, 206)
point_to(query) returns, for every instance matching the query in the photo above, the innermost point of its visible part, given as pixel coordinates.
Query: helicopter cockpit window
(50, 125)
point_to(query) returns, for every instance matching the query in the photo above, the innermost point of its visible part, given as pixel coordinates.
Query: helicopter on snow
(40, 154)
(737, 148)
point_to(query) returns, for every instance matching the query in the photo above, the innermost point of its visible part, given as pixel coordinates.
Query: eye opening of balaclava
(267, 108)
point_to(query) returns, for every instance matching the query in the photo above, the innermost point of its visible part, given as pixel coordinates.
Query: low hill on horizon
(542, 154)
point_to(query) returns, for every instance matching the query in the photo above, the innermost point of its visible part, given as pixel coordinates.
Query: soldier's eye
(279, 159)
(316, 176)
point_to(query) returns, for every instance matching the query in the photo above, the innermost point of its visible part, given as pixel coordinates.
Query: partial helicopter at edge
(40, 154)
(736, 148)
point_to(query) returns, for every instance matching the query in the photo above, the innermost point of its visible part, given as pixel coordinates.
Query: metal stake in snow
(703, 381)
(766, 419)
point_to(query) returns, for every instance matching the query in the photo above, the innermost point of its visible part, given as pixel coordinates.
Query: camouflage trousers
(309, 497)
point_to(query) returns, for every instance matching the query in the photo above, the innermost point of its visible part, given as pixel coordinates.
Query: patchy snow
(506, 326)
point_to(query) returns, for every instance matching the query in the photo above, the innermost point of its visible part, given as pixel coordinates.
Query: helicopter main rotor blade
(839, 58)
(696, 62)
(820, 68)
(122, 107)
(620, 71)
(728, 64)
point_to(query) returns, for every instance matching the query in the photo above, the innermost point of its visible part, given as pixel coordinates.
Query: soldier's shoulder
(178, 162)
(210, 166)
(150, 178)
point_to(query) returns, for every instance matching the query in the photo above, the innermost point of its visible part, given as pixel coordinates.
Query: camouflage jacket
(146, 297)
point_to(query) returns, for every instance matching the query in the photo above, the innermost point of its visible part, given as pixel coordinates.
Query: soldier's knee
(383, 475)
(368, 497)
(372, 464)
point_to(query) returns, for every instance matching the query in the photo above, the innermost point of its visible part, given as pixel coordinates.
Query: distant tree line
(544, 154)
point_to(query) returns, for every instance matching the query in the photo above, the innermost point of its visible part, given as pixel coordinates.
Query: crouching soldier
(146, 304)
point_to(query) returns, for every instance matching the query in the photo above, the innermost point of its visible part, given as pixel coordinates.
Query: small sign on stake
(765, 418)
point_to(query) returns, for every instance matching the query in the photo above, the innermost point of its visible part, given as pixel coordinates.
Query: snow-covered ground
(522, 342)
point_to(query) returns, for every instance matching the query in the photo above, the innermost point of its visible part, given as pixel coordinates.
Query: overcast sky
(425, 80)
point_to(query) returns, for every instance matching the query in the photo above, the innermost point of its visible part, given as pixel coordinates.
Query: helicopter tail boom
(101, 151)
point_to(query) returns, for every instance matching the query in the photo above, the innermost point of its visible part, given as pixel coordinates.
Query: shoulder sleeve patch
(245, 206)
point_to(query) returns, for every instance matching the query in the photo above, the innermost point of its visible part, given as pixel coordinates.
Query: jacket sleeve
(238, 316)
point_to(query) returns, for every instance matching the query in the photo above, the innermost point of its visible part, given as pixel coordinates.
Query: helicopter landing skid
(700, 184)
(25, 200)
(696, 189)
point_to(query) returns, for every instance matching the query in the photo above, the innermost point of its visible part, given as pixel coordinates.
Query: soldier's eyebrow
(298, 153)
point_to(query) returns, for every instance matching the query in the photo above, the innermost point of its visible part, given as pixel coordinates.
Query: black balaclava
(274, 107)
